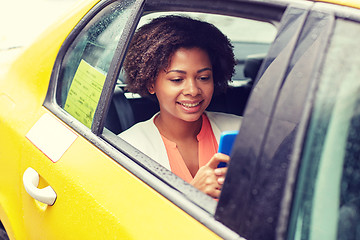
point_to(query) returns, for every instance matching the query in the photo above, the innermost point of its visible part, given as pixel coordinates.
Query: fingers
(208, 182)
(209, 179)
(220, 174)
(220, 171)
(213, 189)
(215, 193)
(216, 159)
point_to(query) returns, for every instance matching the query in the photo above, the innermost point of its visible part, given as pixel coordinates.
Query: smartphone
(227, 139)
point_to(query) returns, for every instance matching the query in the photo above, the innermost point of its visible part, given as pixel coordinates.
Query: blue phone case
(227, 139)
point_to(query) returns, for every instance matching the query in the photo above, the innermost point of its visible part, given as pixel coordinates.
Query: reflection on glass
(327, 200)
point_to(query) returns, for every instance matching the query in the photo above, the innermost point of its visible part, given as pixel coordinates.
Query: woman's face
(185, 88)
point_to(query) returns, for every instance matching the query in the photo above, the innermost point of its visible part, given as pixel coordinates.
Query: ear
(151, 89)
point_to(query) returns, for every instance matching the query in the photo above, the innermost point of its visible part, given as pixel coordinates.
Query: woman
(182, 62)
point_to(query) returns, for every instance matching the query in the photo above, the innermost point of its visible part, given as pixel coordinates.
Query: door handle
(45, 195)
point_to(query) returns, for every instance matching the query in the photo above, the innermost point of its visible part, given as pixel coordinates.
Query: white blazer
(146, 137)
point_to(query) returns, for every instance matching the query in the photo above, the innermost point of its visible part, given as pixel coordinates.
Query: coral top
(207, 147)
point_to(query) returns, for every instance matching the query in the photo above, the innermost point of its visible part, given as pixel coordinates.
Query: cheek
(166, 95)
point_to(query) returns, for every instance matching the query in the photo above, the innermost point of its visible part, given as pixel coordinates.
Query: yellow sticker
(84, 93)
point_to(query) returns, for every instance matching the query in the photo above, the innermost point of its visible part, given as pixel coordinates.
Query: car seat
(120, 115)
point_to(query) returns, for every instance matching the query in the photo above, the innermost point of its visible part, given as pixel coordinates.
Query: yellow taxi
(295, 166)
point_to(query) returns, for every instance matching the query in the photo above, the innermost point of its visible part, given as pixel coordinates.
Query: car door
(73, 189)
(271, 175)
(69, 183)
(325, 197)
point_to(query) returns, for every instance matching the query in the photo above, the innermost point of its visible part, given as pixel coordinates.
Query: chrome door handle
(45, 195)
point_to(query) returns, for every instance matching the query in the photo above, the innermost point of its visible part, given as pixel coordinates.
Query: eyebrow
(184, 72)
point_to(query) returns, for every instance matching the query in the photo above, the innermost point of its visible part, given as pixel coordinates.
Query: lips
(191, 107)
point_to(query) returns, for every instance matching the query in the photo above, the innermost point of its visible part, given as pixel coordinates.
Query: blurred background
(21, 21)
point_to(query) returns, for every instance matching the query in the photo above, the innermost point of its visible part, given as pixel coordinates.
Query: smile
(190, 105)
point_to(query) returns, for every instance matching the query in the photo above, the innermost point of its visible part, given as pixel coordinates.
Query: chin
(193, 118)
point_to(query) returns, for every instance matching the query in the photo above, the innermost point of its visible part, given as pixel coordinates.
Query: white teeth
(189, 105)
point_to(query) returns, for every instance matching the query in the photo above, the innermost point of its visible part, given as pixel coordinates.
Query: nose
(191, 87)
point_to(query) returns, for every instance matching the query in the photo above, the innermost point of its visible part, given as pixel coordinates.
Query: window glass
(327, 196)
(87, 61)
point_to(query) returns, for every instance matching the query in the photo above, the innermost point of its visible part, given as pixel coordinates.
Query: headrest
(252, 65)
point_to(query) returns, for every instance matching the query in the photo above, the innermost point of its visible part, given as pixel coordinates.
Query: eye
(204, 78)
(176, 79)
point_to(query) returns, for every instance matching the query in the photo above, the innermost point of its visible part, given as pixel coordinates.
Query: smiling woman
(182, 62)
(188, 83)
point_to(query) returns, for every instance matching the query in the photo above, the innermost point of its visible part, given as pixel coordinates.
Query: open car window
(249, 37)
(251, 40)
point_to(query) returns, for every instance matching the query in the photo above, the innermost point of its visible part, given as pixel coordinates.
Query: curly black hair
(154, 44)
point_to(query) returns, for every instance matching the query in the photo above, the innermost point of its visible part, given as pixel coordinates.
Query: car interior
(127, 109)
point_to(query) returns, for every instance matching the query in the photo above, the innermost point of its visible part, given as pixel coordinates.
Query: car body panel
(83, 208)
(90, 180)
(17, 83)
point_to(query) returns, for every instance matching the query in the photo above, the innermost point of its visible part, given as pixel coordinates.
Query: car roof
(348, 3)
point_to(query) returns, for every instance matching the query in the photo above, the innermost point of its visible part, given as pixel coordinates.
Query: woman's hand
(209, 179)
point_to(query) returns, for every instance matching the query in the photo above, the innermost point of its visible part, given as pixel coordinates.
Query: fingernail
(221, 180)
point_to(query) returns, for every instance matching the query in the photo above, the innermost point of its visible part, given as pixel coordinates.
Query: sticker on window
(84, 93)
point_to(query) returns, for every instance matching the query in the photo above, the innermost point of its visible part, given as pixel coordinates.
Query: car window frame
(51, 98)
